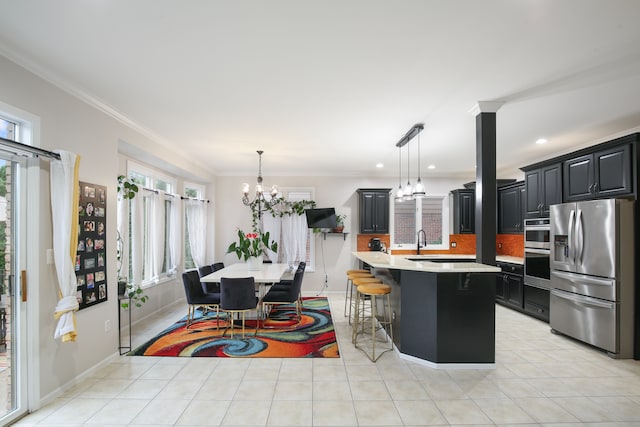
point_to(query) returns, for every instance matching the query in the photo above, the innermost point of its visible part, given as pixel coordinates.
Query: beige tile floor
(541, 379)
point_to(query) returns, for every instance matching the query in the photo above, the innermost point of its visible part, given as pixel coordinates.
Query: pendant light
(399, 193)
(408, 190)
(418, 190)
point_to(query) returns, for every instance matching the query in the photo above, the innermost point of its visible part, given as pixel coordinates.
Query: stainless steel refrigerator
(592, 273)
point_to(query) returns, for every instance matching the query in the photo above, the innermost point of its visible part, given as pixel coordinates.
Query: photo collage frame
(90, 264)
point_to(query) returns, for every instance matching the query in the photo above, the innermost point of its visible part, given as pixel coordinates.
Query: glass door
(13, 378)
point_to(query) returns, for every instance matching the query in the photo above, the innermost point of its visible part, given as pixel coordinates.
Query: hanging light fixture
(260, 201)
(409, 193)
(418, 190)
(408, 189)
(399, 194)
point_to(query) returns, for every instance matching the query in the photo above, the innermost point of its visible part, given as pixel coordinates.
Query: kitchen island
(443, 309)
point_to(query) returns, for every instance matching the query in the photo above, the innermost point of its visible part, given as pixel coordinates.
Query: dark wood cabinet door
(578, 178)
(514, 285)
(510, 210)
(532, 194)
(374, 211)
(367, 211)
(551, 186)
(603, 174)
(464, 211)
(381, 213)
(613, 172)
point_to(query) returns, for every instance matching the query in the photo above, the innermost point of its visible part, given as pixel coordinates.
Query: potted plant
(251, 247)
(340, 223)
(136, 296)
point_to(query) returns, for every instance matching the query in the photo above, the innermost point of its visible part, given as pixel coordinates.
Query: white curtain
(272, 225)
(300, 230)
(175, 246)
(64, 212)
(157, 236)
(137, 232)
(197, 226)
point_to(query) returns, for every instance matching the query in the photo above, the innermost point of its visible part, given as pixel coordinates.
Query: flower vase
(254, 263)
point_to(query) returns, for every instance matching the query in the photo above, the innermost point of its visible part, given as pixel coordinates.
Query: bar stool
(372, 291)
(355, 283)
(351, 274)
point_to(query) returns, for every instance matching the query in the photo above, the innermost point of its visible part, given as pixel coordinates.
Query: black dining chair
(217, 266)
(283, 285)
(288, 294)
(197, 298)
(237, 296)
(208, 288)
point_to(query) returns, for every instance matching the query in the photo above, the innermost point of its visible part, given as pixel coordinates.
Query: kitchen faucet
(424, 235)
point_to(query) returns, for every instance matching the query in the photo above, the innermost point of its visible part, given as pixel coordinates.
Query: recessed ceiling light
(431, 167)
(541, 141)
(379, 165)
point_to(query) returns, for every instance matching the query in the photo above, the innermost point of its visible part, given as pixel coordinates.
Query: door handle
(572, 217)
(583, 279)
(580, 299)
(23, 285)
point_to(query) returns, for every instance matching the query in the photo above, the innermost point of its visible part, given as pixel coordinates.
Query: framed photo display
(91, 271)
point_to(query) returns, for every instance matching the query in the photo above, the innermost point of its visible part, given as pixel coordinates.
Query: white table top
(269, 273)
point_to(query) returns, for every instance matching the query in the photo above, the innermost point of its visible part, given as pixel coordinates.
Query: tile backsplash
(459, 244)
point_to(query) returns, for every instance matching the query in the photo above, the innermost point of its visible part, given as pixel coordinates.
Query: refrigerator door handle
(578, 299)
(579, 238)
(583, 279)
(571, 242)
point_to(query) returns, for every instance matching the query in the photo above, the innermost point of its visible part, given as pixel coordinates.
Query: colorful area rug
(282, 336)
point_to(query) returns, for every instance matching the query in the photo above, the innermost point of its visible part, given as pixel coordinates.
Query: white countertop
(401, 262)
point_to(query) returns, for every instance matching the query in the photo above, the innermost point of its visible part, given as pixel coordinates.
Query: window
(193, 191)
(429, 214)
(155, 226)
(8, 130)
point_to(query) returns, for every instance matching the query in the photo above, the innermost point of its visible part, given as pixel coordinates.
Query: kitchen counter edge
(400, 262)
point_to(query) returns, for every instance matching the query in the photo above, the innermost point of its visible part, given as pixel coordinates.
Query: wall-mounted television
(321, 218)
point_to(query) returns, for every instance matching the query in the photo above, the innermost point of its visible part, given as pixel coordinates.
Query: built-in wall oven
(536, 253)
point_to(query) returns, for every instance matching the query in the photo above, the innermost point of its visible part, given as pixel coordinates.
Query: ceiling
(329, 87)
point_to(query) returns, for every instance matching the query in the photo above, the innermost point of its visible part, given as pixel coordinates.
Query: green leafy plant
(127, 189)
(136, 296)
(340, 220)
(251, 245)
(279, 209)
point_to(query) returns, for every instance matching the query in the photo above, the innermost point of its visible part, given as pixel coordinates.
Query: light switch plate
(50, 256)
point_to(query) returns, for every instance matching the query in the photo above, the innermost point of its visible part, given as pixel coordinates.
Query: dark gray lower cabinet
(536, 302)
(509, 285)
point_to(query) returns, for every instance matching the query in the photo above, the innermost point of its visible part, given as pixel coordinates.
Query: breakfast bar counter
(443, 309)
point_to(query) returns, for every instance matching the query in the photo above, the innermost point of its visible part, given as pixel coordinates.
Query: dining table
(267, 275)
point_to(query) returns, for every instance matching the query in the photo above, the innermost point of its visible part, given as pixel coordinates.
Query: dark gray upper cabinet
(543, 188)
(373, 205)
(602, 174)
(464, 211)
(511, 209)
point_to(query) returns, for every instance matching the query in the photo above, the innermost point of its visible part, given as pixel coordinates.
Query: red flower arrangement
(251, 245)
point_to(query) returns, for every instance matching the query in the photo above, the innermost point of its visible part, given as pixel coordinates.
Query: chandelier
(260, 202)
